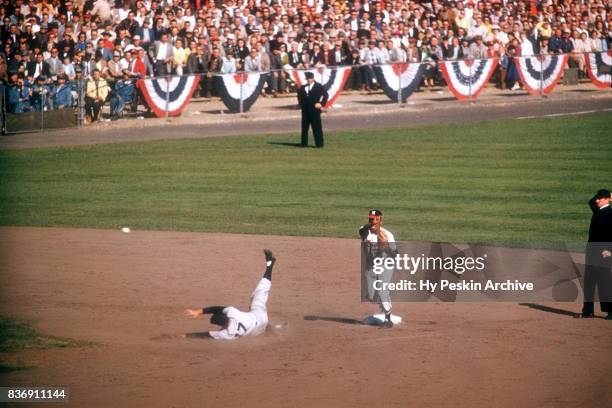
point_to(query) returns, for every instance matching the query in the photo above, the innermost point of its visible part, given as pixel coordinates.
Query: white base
(379, 319)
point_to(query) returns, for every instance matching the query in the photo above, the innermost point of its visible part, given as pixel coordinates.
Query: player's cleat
(270, 259)
(387, 324)
(269, 256)
(586, 315)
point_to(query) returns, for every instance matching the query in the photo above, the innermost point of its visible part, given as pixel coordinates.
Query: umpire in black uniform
(312, 97)
(599, 256)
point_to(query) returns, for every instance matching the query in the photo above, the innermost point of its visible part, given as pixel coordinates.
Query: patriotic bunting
(466, 78)
(332, 80)
(599, 68)
(390, 77)
(179, 89)
(230, 89)
(540, 73)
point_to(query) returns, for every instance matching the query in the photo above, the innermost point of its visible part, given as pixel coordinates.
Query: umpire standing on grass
(312, 97)
(599, 256)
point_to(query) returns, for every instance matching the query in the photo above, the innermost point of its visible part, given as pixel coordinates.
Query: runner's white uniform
(249, 323)
(386, 276)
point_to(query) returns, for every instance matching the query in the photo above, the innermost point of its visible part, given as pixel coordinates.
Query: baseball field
(108, 305)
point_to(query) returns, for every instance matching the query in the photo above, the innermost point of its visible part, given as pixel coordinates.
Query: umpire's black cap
(309, 75)
(603, 193)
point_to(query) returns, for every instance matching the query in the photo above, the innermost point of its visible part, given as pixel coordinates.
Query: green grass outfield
(18, 335)
(503, 181)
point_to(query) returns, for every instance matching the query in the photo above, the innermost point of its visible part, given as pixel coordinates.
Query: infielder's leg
(371, 277)
(260, 294)
(385, 298)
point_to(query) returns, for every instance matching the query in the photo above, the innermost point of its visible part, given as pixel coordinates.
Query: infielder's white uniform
(249, 323)
(386, 276)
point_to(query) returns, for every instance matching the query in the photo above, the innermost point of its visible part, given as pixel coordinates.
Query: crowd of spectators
(56, 51)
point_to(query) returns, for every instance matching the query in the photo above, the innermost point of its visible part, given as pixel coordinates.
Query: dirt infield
(127, 292)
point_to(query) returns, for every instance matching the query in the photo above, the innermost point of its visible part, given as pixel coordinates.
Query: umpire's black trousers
(597, 276)
(312, 118)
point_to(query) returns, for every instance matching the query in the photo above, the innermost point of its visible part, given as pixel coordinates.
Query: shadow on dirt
(550, 309)
(343, 320)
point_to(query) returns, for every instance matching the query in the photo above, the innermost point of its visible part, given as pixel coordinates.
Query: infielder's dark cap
(309, 75)
(374, 213)
(603, 193)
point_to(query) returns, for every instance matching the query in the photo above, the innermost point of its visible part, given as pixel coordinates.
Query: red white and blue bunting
(599, 66)
(540, 73)
(466, 78)
(229, 86)
(391, 77)
(179, 89)
(332, 80)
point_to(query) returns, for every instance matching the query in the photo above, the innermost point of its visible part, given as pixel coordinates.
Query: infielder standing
(378, 242)
(235, 323)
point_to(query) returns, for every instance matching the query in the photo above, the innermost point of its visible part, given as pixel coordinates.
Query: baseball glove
(365, 231)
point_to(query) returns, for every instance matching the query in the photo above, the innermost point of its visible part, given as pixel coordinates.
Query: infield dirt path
(128, 291)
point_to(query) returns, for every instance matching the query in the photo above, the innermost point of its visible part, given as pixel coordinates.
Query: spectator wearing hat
(122, 95)
(78, 87)
(566, 45)
(62, 93)
(41, 99)
(16, 63)
(114, 68)
(96, 93)
(66, 46)
(311, 98)
(599, 256)
(107, 40)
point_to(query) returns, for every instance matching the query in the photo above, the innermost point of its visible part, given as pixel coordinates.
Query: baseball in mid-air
(126, 230)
